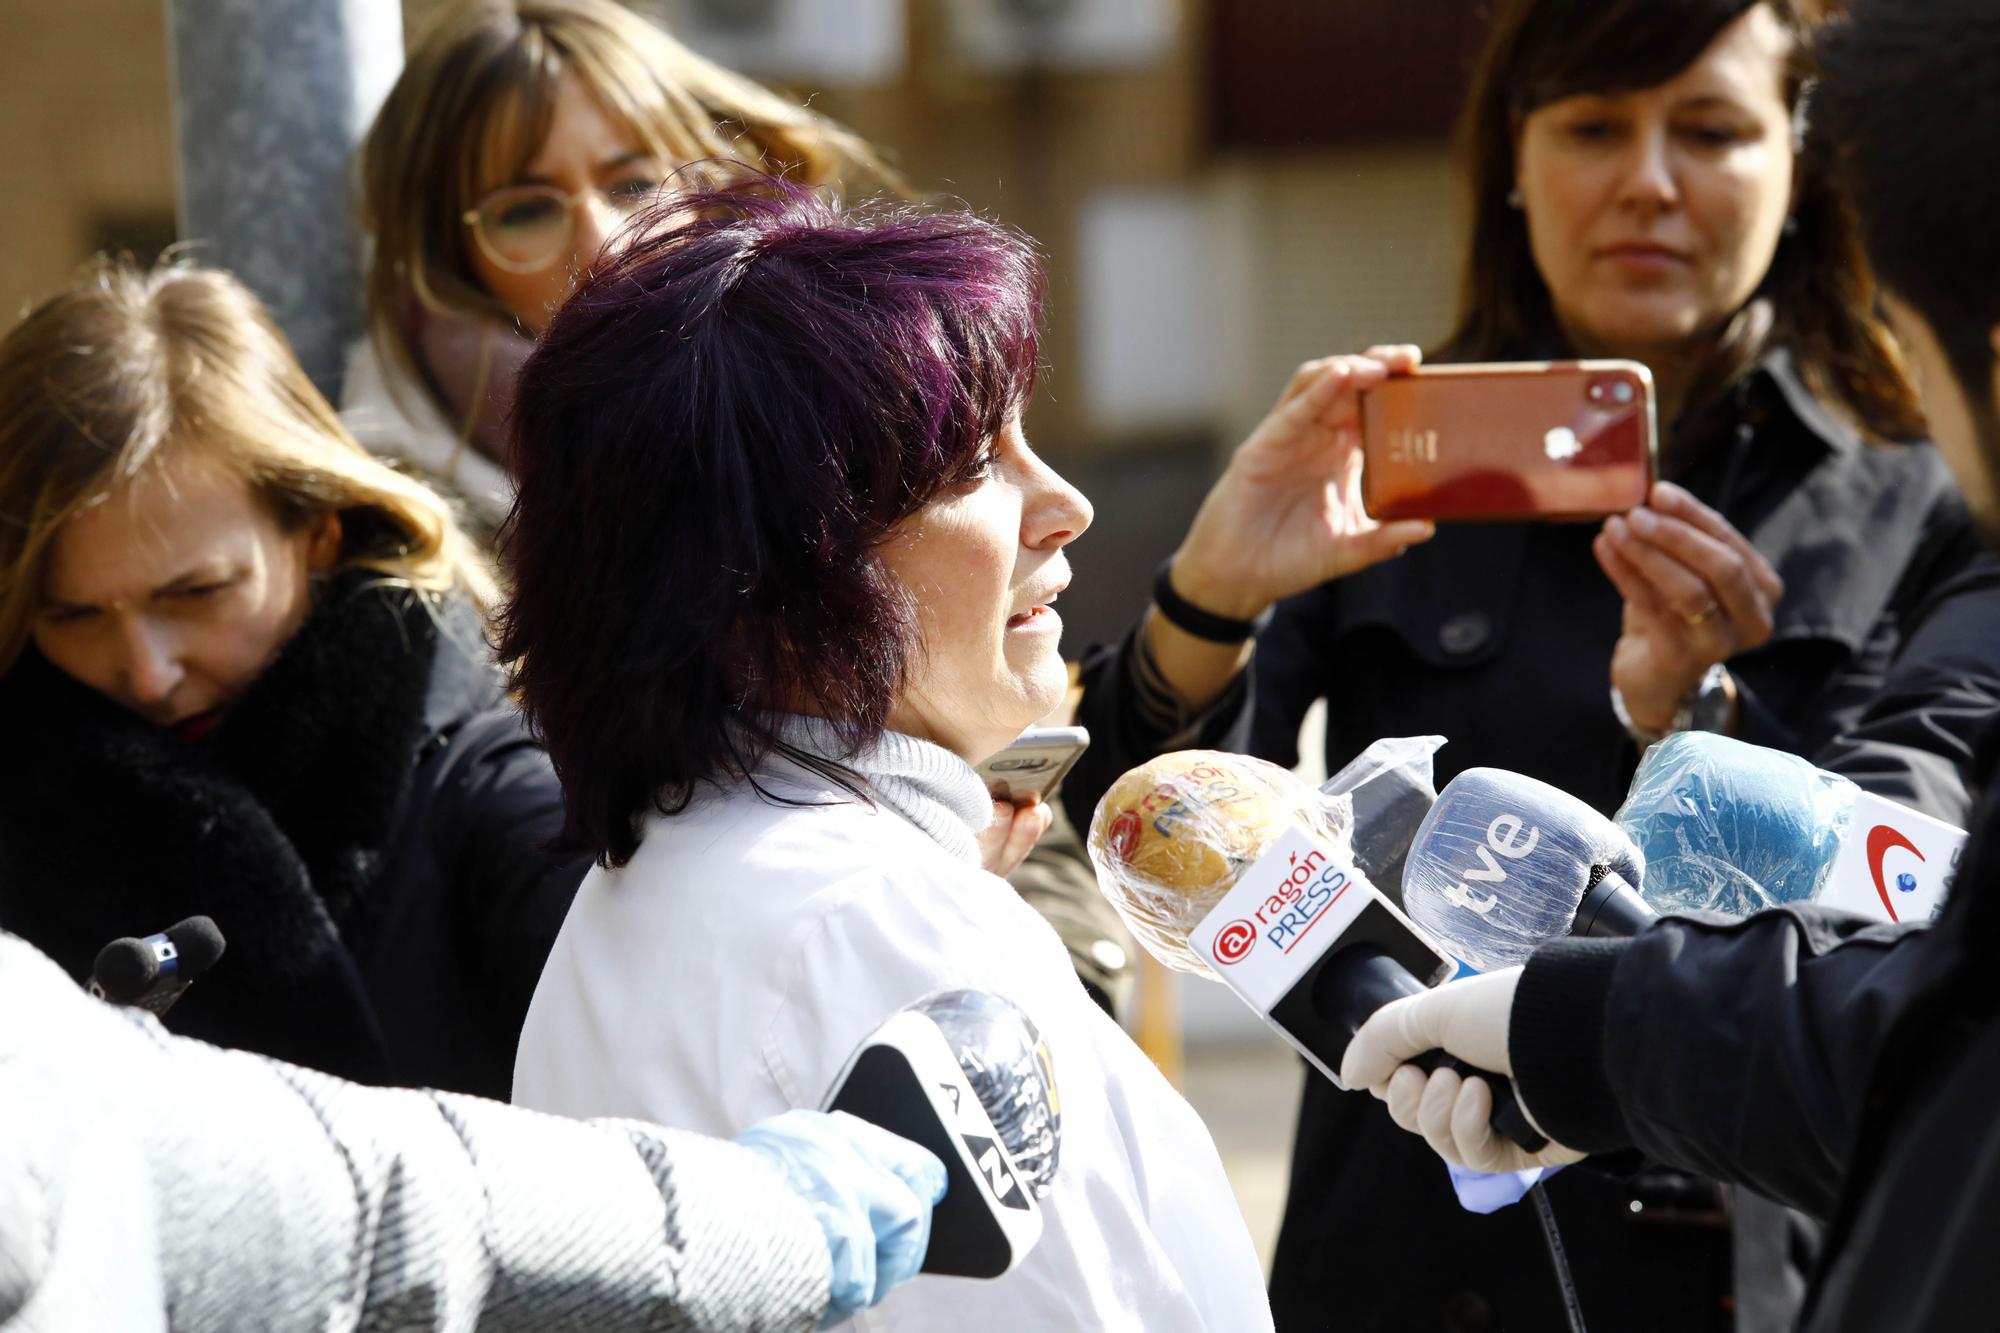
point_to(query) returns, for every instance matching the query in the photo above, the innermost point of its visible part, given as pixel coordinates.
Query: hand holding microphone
(872, 1192)
(1501, 864)
(1231, 867)
(1452, 1112)
(938, 1138)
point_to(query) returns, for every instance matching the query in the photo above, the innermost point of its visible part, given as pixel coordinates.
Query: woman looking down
(243, 673)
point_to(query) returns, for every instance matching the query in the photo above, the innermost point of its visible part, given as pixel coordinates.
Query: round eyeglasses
(526, 228)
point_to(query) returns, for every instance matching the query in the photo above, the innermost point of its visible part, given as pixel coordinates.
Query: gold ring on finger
(1697, 617)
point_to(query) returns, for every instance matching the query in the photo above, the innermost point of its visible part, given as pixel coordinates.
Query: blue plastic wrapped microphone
(1731, 827)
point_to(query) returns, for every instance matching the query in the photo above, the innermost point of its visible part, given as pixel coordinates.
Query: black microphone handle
(1360, 979)
(1612, 910)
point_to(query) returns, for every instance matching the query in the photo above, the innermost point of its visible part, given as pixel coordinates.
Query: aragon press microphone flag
(1232, 868)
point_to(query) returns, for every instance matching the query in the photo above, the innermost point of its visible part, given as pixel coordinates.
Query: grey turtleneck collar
(924, 783)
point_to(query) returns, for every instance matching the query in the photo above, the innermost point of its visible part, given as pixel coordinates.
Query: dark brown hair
(1913, 103)
(1817, 299)
(714, 437)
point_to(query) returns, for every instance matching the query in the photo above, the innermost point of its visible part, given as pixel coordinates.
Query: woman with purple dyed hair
(784, 565)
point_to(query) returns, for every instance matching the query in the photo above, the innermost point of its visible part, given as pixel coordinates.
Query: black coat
(1884, 660)
(1848, 1068)
(366, 828)
(1886, 651)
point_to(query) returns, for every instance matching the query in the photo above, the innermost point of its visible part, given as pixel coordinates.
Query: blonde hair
(100, 381)
(475, 102)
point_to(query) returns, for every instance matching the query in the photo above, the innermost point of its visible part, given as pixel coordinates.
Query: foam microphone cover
(199, 944)
(131, 970)
(124, 969)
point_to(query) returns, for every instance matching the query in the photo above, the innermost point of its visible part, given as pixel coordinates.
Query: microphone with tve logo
(1232, 868)
(153, 972)
(966, 1075)
(1504, 862)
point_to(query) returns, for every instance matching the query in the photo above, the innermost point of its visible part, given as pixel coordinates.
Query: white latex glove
(1467, 1019)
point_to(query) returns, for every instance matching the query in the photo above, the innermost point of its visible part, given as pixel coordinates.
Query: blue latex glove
(1490, 1191)
(871, 1191)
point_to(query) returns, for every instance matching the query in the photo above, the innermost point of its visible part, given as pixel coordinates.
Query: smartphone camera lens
(1621, 392)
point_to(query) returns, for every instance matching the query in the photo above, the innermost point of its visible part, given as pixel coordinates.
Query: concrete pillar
(270, 99)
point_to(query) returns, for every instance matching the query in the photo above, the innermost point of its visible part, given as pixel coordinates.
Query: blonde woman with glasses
(243, 673)
(520, 137)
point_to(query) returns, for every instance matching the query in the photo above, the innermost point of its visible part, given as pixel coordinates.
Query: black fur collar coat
(367, 827)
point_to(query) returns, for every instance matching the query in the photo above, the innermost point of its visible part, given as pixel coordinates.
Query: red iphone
(1509, 440)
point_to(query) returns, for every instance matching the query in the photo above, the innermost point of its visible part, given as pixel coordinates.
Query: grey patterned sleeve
(157, 1183)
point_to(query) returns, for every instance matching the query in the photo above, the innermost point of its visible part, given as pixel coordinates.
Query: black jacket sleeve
(1904, 730)
(497, 813)
(1912, 742)
(1292, 672)
(1738, 1049)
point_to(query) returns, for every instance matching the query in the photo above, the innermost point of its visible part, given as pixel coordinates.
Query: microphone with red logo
(1737, 828)
(1232, 868)
(153, 972)
(966, 1075)
(1731, 827)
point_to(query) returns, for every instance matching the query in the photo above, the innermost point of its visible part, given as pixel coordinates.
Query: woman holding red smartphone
(1645, 187)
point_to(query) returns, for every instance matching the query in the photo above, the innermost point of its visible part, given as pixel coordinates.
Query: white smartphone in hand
(1036, 762)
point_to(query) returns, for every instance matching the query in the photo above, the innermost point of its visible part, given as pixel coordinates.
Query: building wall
(88, 156)
(1215, 272)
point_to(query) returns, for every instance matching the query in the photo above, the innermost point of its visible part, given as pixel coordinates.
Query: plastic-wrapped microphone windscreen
(1732, 827)
(1007, 1063)
(1393, 786)
(1172, 836)
(1502, 861)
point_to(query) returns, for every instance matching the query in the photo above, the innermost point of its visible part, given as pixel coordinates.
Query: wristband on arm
(1185, 616)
